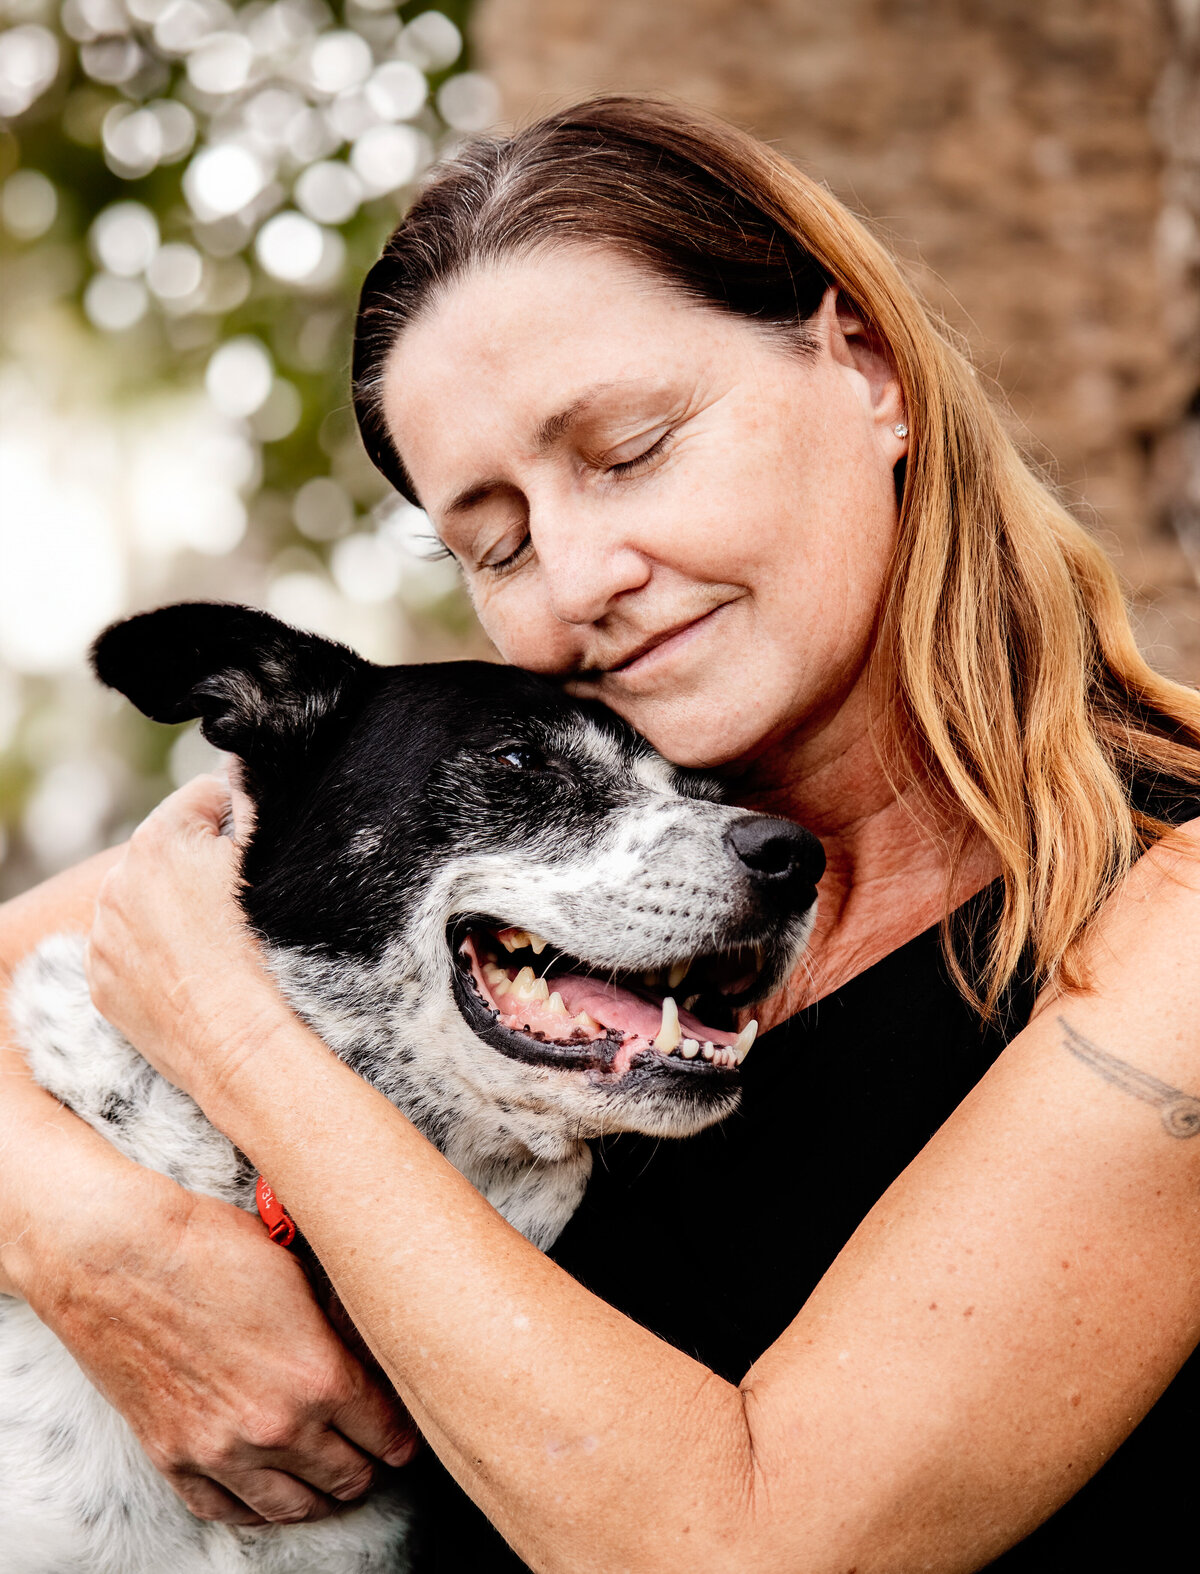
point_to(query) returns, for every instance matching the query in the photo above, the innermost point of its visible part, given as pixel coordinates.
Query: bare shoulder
(1143, 951)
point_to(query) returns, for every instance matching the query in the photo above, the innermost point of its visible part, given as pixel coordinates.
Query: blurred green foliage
(190, 193)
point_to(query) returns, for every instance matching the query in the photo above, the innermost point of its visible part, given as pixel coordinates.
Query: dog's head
(484, 895)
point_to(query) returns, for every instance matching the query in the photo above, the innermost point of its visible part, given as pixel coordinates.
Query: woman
(701, 453)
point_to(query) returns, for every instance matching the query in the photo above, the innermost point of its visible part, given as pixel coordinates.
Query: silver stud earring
(900, 429)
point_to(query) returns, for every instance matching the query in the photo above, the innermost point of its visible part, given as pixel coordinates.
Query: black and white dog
(501, 907)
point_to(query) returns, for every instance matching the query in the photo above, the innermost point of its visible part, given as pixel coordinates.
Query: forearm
(553, 1438)
(51, 1166)
(50, 1161)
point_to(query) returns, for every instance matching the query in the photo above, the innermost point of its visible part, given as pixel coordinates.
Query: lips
(678, 630)
(529, 998)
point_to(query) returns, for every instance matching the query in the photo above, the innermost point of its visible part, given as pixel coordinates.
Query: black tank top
(716, 1242)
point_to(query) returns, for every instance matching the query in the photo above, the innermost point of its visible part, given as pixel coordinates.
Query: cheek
(516, 618)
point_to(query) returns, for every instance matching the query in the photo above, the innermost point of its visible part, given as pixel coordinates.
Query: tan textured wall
(1020, 155)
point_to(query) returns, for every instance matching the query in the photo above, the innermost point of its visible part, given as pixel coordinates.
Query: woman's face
(666, 504)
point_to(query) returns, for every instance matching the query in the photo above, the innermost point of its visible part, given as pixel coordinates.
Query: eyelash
(632, 466)
(625, 468)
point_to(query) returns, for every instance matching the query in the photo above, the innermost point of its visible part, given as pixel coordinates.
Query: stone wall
(1038, 164)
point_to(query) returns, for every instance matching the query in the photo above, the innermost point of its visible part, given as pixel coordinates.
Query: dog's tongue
(623, 1011)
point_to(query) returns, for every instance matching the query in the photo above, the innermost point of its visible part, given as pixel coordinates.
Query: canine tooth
(706, 1050)
(537, 943)
(689, 1003)
(590, 1023)
(689, 1048)
(677, 974)
(540, 989)
(668, 1035)
(744, 1040)
(523, 984)
(556, 1005)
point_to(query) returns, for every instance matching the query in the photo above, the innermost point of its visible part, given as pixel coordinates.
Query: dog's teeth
(668, 1035)
(508, 939)
(589, 1023)
(522, 985)
(744, 1040)
(650, 978)
(540, 989)
(689, 1003)
(501, 987)
(677, 974)
(555, 1005)
(538, 944)
(706, 1050)
(689, 1048)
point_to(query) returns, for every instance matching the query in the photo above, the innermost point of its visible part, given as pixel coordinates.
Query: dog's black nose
(777, 851)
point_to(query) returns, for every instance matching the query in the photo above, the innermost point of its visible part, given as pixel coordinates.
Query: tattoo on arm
(1180, 1112)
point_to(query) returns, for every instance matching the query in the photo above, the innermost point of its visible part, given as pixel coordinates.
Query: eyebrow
(546, 434)
(556, 426)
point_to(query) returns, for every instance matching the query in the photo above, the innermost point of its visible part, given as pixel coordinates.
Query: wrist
(260, 1060)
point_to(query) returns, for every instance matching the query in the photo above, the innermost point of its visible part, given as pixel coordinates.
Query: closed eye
(632, 466)
(502, 565)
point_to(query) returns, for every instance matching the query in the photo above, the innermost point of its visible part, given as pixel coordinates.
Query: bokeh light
(190, 192)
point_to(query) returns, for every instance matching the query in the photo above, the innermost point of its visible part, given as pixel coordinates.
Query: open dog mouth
(524, 996)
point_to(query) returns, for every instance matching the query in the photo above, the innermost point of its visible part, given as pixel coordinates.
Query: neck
(891, 870)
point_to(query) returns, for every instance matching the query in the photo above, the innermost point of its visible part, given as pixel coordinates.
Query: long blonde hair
(1004, 633)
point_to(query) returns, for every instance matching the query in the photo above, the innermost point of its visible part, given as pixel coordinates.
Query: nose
(586, 569)
(776, 853)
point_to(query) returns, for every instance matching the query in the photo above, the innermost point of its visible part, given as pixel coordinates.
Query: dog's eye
(520, 758)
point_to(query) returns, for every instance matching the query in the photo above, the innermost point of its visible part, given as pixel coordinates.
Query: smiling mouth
(657, 641)
(534, 1002)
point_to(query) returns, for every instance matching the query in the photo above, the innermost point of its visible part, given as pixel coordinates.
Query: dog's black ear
(261, 688)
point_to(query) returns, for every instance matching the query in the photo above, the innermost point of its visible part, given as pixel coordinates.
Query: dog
(499, 905)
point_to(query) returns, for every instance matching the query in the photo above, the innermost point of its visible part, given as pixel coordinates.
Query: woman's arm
(162, 1297)
(996, 1327)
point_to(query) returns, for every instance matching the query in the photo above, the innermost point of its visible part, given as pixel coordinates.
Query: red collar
(271, 1211)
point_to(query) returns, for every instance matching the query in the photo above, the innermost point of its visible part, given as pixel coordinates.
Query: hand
(205, 1335)
(171, 960)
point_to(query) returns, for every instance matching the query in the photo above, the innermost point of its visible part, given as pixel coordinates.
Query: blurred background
(191, 190)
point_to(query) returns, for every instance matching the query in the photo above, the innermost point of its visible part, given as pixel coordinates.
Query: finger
(377, 1421)
(326, 1461)
(278, 1497)
(204, 1498)
(241, 803)
(199, 807)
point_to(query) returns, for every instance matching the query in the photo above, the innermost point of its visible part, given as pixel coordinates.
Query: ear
(263, 690)
(854, 345)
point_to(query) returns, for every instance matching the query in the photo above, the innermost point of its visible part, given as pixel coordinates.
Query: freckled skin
(770, 504)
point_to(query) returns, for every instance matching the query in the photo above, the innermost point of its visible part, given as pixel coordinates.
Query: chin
(702, 735)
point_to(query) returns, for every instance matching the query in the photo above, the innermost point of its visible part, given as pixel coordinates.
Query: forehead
(508, 346)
